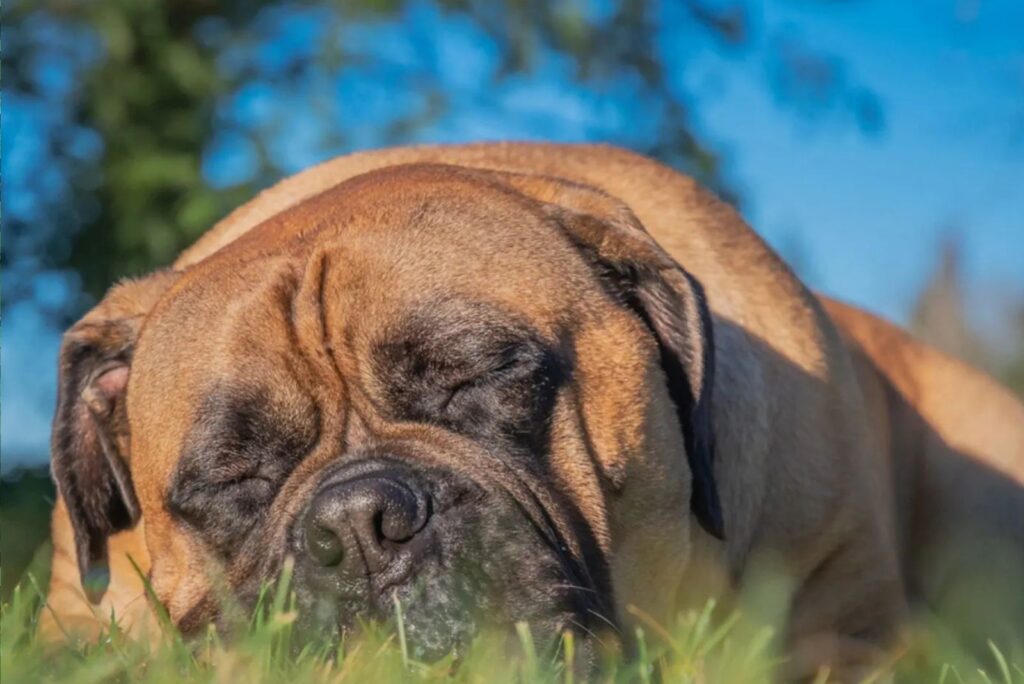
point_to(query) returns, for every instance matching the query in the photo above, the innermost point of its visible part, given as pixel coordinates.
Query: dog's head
(482, 394)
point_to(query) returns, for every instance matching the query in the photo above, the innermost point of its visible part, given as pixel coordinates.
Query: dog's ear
(89, 441)
(670, 301)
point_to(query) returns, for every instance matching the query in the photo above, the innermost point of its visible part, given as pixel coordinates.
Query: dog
(560, 384)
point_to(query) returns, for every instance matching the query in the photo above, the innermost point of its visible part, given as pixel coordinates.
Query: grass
(708, 645)
(702, 646)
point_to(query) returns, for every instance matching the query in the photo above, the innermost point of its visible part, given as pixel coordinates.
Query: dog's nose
(360, 525)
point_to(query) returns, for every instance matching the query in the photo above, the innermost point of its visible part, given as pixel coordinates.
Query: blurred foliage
(132, 99)
(940, 313)
(1012, 370)
(942, 318)
(26, 499)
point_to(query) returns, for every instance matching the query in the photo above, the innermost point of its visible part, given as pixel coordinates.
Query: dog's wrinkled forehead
(343, 272)
(396, 235)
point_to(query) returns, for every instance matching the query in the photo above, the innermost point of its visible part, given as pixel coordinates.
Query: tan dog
(568, 361)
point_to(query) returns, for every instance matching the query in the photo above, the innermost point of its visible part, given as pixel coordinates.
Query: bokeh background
(877, 144)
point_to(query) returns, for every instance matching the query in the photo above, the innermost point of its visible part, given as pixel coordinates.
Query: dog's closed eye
(493, 381)
(239, 453)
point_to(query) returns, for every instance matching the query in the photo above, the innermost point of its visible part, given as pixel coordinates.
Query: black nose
(361, 525)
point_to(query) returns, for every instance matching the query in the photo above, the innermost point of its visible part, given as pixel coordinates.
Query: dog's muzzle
(385, 533)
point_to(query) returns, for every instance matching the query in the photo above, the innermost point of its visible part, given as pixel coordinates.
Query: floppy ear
(89, 441)
(670, 301)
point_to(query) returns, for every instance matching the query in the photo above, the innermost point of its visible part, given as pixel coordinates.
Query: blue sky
(951, 156)
(862, 212)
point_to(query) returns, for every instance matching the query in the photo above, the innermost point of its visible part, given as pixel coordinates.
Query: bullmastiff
(557, 384)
